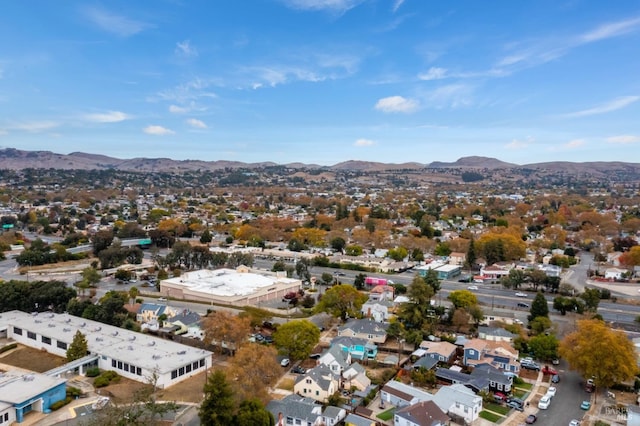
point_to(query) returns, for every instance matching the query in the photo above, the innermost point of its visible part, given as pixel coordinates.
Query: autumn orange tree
(226, 328)
(595, 350)
(253, 370)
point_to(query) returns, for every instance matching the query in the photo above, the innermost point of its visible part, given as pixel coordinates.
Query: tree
(78, 347)
(544, 346)
(338, 244)
(226, 330)
(217, 408)
(341, 301)
(460, 319)
(470, 260)
(591, 297)
(514, 280)
(462, 299)
(297, 338)
(206, 237)
(252, 412)
(432, 280)
(359, 280)
(416, 311)
(253, 370)
(595, 350)
(91, 276)
(539, 325)
(133, 294)
(539, 307)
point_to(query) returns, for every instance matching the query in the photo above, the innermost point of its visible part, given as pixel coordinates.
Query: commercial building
(133, 355)
(237, 287)
(22, 392)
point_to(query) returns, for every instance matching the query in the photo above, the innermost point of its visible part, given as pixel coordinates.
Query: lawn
(527, 386)
(32, 359)
(386, 415)
(286, 384)
(492, 417)
(497, 408)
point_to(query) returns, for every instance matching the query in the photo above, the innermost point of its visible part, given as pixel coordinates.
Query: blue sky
(323, 81)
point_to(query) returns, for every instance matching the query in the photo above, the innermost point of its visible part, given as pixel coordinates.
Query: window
(466, 409)
(195, 365)
(317, 393)
(31, 335)
(289, 420)
(126, 367)
(139, 371)
(113, 363)
(181, 371)
(174, 374)
(17, 330)
(119, 365)
(188, 368)
(61, 345)
(202, 363)
(471, 352)
(46, 340)
(298, 422)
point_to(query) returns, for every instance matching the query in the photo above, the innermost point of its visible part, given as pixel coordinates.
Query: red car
(499, 396)
(548, 370)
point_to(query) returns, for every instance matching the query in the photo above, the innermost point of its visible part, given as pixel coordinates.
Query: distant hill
(15, 159)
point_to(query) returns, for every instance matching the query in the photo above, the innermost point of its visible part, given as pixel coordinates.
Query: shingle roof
(425, 413)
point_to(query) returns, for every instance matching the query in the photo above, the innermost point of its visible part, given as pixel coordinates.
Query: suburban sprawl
(468, 293)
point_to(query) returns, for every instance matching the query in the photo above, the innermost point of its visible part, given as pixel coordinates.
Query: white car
(284, 362)
(472, 287)
(521, 294)
(551, 391)
(544, 402)
(574, 422)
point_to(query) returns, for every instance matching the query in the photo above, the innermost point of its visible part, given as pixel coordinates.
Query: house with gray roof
(356, 376)
(296, 410)
(318, 383)
(458, 400)
(401, 395)
(372, 331)
(336, 359)
(358, 348)
(495, 334)
(425, 413)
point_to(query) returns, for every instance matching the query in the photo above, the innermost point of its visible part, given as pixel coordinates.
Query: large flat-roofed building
(239, 287)
(134, 355)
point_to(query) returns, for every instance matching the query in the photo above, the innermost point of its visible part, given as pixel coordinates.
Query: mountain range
(15, 159)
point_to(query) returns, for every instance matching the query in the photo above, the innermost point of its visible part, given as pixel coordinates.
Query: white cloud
(115, 24)
(612, 29)
(519, 144)
(175, 109)
(623, 139)
(575, 143)
(36, 126)
(185, 49)
(187, 92)
(107, 117)
(158, 130)
(610, 106)
(434, 73)
(339, 6)
(194, 122)
(397, 104)
(450, 96)
(364, 142)
(396, 5)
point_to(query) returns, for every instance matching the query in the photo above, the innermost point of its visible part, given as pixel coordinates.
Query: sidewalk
(516, 418)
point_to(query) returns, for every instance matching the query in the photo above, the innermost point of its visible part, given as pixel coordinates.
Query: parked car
(515, 405)
(555, 361)
(285, 362)
(268, 340)
(544, 402)
(521, 294)
(585, 405)
(552, 391)
(522, 305)
(499, 396)
(590, 386)
(298, 370)
(529, 365)
(548, 370)
(472, 287)
(574, 422)
(555, 378)
(531, 419)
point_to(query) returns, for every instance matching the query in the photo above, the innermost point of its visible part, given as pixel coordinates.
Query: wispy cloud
(158, 130)
(396, 5)
(434, 73)
(338, 6)
(516, 144)
(397, 104)
(175, 109)
(575, 143)
(35, 126)
(610, 106)
(363, 142)
(623, 139)
(115, 24)
(612, 29)
(198, 124)
(186, 50)
(107, 117)
(450, 96)
(185, 93)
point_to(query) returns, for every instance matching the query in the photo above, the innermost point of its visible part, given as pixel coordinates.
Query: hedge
(8, 347)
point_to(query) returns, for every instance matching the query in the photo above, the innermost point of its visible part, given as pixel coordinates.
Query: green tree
(279, 266)
(470, 260)
(217, 408)
(78, 347)
(432, 280)
(544, 346)
(539, 307)
(595, 350)
(326, 278)
(91, 276)
(297, 338)
(398, 253)
(462, 299)
(514, 280)
(133, 294)
(338, 244)
(591, 297)
(415, 313)
(359, 281)
(341, 301)
(252, 412)
(540, 325)
(206, 237)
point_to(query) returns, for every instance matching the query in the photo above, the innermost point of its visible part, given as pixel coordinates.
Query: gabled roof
(426, 362)
(457, 393)
(425, 413)
(186, 318)
(337, 354)
(441, 348)
(495, 331)
(491, 373)
(295, 406)
(156, 308)
(321, 375)
(365, 326)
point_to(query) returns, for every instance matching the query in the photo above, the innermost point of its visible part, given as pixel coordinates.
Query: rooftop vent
(83, 324)
(68, 320)
(38, 321)
(132, 337)
(51, 325)
(66, 329)
(182, 352)
(99, 339)
(154, 356)
(115, 333)
(130, 348)
(152, 343)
